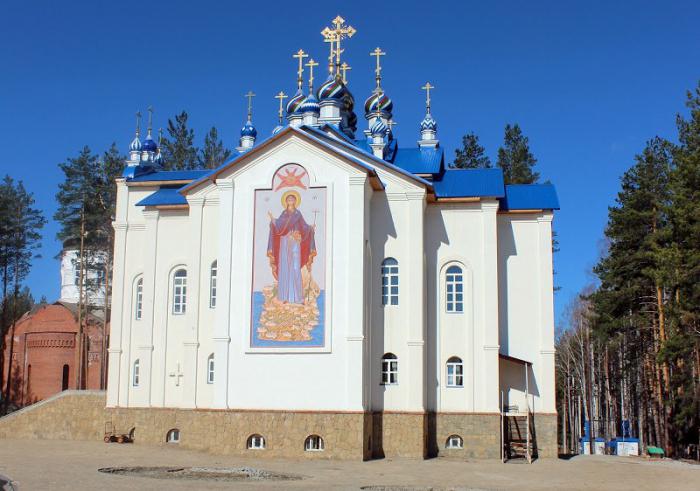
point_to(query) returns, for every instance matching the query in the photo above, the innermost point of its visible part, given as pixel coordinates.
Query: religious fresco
(289, 262)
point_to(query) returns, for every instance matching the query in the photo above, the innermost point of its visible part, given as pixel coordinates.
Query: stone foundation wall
(546, 435)
(399, 435)
(481, 434)
(226, 432)
(81, 415)
(69, 415)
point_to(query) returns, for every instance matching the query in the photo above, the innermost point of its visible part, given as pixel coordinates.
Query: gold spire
(427, 87)
(250, 96)
(330, 40)
(345, 67)
(335, 35)
(378, 71)
(311, 64)
(138, 123)
(150, 119)
(300, 55)
(281, 96)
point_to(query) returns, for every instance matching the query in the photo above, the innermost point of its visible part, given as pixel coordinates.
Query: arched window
(180, 291)
(313, 443)
(256, 442)
(454, 441)
(390, 281)
(135, 374)
(390, 369)
(210, 369)
(212, 285)
(455, 372)
(138, 299)
(454, 290)
(64, 377)
(173, 436)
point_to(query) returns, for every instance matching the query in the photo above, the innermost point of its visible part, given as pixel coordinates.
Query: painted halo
(291, 193)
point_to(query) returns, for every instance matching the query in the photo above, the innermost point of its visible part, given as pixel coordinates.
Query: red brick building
(44, 353)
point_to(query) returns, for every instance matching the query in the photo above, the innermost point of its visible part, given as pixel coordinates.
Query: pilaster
(194, 281)
(356, 292)
(222, 335)
(150, 261)
(416, 297)
(489, 286)
(115, 394)
(545, 367)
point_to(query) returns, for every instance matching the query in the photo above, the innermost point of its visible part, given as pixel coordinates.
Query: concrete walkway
(70, 465)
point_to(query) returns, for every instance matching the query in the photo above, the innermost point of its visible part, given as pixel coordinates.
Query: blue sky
(589, 82)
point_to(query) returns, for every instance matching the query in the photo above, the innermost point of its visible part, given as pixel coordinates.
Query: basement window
(173, 436)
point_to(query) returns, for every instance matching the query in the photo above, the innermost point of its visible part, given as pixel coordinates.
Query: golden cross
(281, 96)
(378, 71)
(138, 122)
(336, 34)
(311, 64)
(345, 67)
(427, 88)
(160, 136)
(300, 55)
(250, 96)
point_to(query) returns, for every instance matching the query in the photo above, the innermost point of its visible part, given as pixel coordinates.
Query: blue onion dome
(295, 103)
(158, 159)
(135, 145)
(378, 102)
(333, 88)
(378, 127)
(149, 145)
(310, 105)
(428, 123)
(249, 130)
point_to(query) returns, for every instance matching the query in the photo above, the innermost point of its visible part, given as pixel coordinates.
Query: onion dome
(310, 105)
(149, 145)
(158, 159)
(249, 130)
(295, 103)
(378, 127)
(333, 88)
(135, 145)
(428, 123)
(378, 102)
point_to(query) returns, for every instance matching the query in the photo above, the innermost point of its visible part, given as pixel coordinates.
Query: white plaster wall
(526, 302)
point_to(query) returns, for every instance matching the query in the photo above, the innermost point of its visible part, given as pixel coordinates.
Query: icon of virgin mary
(291, 246)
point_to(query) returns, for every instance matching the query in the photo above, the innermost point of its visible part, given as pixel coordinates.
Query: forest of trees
(629, 348)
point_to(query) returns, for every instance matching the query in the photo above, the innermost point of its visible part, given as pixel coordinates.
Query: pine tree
(179, 152)
(214, 153)
(515, 158)
(20, 244)
(81, 216)
(471, 155)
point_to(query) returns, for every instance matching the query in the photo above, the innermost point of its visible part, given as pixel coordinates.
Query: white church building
(331, 293)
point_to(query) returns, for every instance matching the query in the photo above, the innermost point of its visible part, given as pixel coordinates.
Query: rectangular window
(212, 286)
(138, 311)
(180, 292)
(390, 282)
(390, 372)
(455, 375)
(454, 290)
(210, 370)
(135, 380)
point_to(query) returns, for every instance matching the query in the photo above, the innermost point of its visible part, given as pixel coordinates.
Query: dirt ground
(64, 465)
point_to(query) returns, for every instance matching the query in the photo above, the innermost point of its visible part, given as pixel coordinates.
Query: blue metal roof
(164, 196)
(530, 197)
(419, 160)
(460, 183)
(172, 175)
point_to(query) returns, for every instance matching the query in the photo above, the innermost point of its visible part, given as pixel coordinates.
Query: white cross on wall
(177, 375)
